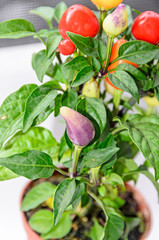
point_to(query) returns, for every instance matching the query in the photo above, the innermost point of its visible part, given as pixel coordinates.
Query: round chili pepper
(66, 47)
(114, 55)
(146, 27)
(80, 20)
(106, 4)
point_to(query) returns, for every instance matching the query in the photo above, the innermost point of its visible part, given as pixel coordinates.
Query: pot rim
(143, 207)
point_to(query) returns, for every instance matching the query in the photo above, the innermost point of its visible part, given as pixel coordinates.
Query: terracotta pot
(143, 207)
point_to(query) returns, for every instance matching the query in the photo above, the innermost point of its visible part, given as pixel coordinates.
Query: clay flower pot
(143, 207)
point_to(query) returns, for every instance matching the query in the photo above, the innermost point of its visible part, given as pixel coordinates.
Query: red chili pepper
(146, 27)
(80, 20)
(66, 47)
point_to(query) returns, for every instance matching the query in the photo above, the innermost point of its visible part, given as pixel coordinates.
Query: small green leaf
(37, 102)
(41, 221)
(16, 28)
(76, 63)
(57, 105)
(61, 229)
(69, 98)
(96, 64)
(41, 63)
(96, 157)
(114, 227)
(12, 112)
(144, 132)
(124, 81)
(96, 231)
(139, 52)
(101, 50)
(86, 45)
(63, 197)
(37, 195)
(83, 76)
(59, 10)
(114, 178)
(6, 174)
(31, 164)
(52, 43)
(47, 13)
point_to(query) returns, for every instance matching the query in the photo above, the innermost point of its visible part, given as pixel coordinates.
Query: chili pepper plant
(94, 69)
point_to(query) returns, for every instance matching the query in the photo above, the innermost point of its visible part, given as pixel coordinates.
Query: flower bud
(91, 88)
(116, 22)
(80, 130)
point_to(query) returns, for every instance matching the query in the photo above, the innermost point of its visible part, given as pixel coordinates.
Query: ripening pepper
(116, 22)
(80, 130)
(91, 88)
(106, 4)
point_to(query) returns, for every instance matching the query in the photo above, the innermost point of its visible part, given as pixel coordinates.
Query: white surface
(15, 70)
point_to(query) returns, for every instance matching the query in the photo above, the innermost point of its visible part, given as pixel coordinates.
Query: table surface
(11, 77)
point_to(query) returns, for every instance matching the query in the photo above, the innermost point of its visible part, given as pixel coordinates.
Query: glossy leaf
(52, 43)
(37, 138)
(12, 112)
(76, 63)
(63, 197)
(37, 195)
(59, 10)
(86, 45)
(69, 98)
(124, 81)
(16, 28)
(95, 158)
(144, 132)
(37, 102)
(47, 13)
(139, 52)
(40, 63)
(61, 229)
(83, 76)
(41, 221)
(31, 164)
(114, 227)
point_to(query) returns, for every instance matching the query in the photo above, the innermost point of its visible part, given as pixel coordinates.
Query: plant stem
(102, 15)
(98, 201)
(95, 175)
(108, 52)
(116, 101)
(117, 130)
(61, 171)
(40, 38)
(76, 154)
(58, 57)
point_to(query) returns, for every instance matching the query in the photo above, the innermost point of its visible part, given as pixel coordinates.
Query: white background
(16, 70)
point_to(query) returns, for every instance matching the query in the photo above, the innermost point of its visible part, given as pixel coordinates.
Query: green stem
(117, 130)
(116, 101)
(58, 57)
(108, 52)
(61, 171)
(76, 155)
(41, 39)
(98, 201)
(95, 175)
(102, 15)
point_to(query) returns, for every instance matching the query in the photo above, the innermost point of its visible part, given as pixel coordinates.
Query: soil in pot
(82, 226)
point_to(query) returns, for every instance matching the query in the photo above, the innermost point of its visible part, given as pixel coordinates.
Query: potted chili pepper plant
(94, 70)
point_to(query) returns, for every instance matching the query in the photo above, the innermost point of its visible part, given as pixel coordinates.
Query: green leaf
(61, 229)
(43, 115)
(96, 157)
(31, 164)
(16, 28)
(124, 81)
(59, 10)
(37, 102)
(12, 112)
(79, 191)
(37, 138)
(6, 174)
(95, 108)
(41, 221)
(132, 70)
(63, 197)
(96, 231)
(114, 227)
(41, 63)
(83, 76)
(52, 43)
(139, 52)
(86, 45)
(37, 195)
(114, 178)
(57, 105)
(69, 98)
(76, 63)
(101, 51)
(144, 132)
(47, 13)
(96, 64)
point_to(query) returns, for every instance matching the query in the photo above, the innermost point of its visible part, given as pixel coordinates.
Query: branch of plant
(102, 15)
